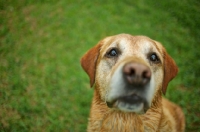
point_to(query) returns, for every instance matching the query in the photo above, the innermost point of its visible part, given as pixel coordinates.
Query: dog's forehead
(132, 44)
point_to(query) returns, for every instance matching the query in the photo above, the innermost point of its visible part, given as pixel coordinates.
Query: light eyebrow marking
(154, 43)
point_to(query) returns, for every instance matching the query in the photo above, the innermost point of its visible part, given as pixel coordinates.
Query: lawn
(42, 85)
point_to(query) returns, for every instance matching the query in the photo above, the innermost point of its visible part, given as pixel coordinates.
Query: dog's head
(128, 71)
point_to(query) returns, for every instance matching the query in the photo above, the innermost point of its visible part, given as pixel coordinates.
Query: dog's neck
(103, 118)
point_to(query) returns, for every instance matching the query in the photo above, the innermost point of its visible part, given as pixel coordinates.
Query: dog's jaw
(129, 107)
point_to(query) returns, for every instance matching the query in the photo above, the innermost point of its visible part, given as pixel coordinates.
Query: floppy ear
(170, 71)
(88, 62)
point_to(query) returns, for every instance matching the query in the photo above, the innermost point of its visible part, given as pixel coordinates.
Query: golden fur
(161, 116)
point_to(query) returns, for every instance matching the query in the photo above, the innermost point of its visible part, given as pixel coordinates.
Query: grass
(42, 85)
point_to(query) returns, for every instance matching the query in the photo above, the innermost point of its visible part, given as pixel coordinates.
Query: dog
(130, 74)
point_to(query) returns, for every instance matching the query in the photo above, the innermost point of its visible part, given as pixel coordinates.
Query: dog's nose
(136, 73)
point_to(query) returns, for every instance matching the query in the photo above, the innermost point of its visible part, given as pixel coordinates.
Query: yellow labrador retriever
(130, 74)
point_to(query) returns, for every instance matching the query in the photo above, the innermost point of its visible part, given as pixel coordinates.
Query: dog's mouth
(130, 103)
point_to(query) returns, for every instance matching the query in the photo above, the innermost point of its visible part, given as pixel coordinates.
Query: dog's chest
(118, 122)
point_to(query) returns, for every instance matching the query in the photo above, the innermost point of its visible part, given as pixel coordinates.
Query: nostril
(132, 72)
(129, 70)
(146, 74)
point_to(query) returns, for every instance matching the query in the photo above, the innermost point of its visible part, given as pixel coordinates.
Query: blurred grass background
(42, 86)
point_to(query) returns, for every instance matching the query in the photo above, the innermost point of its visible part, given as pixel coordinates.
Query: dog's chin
(131, 103)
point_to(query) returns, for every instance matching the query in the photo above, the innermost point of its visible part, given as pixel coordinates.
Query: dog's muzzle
(136, 77)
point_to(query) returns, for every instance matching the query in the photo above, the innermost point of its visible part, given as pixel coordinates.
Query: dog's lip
(130, 99)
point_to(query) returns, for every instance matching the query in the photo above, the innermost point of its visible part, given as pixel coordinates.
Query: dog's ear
(170, 71)
(88, 62)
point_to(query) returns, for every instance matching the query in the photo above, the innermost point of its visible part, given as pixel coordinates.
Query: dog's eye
(154, 58)
(112, 53)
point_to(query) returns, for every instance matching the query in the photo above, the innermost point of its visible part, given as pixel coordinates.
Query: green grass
(42, 85)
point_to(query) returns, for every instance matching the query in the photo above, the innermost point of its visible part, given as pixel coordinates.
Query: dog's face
(128, 71)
